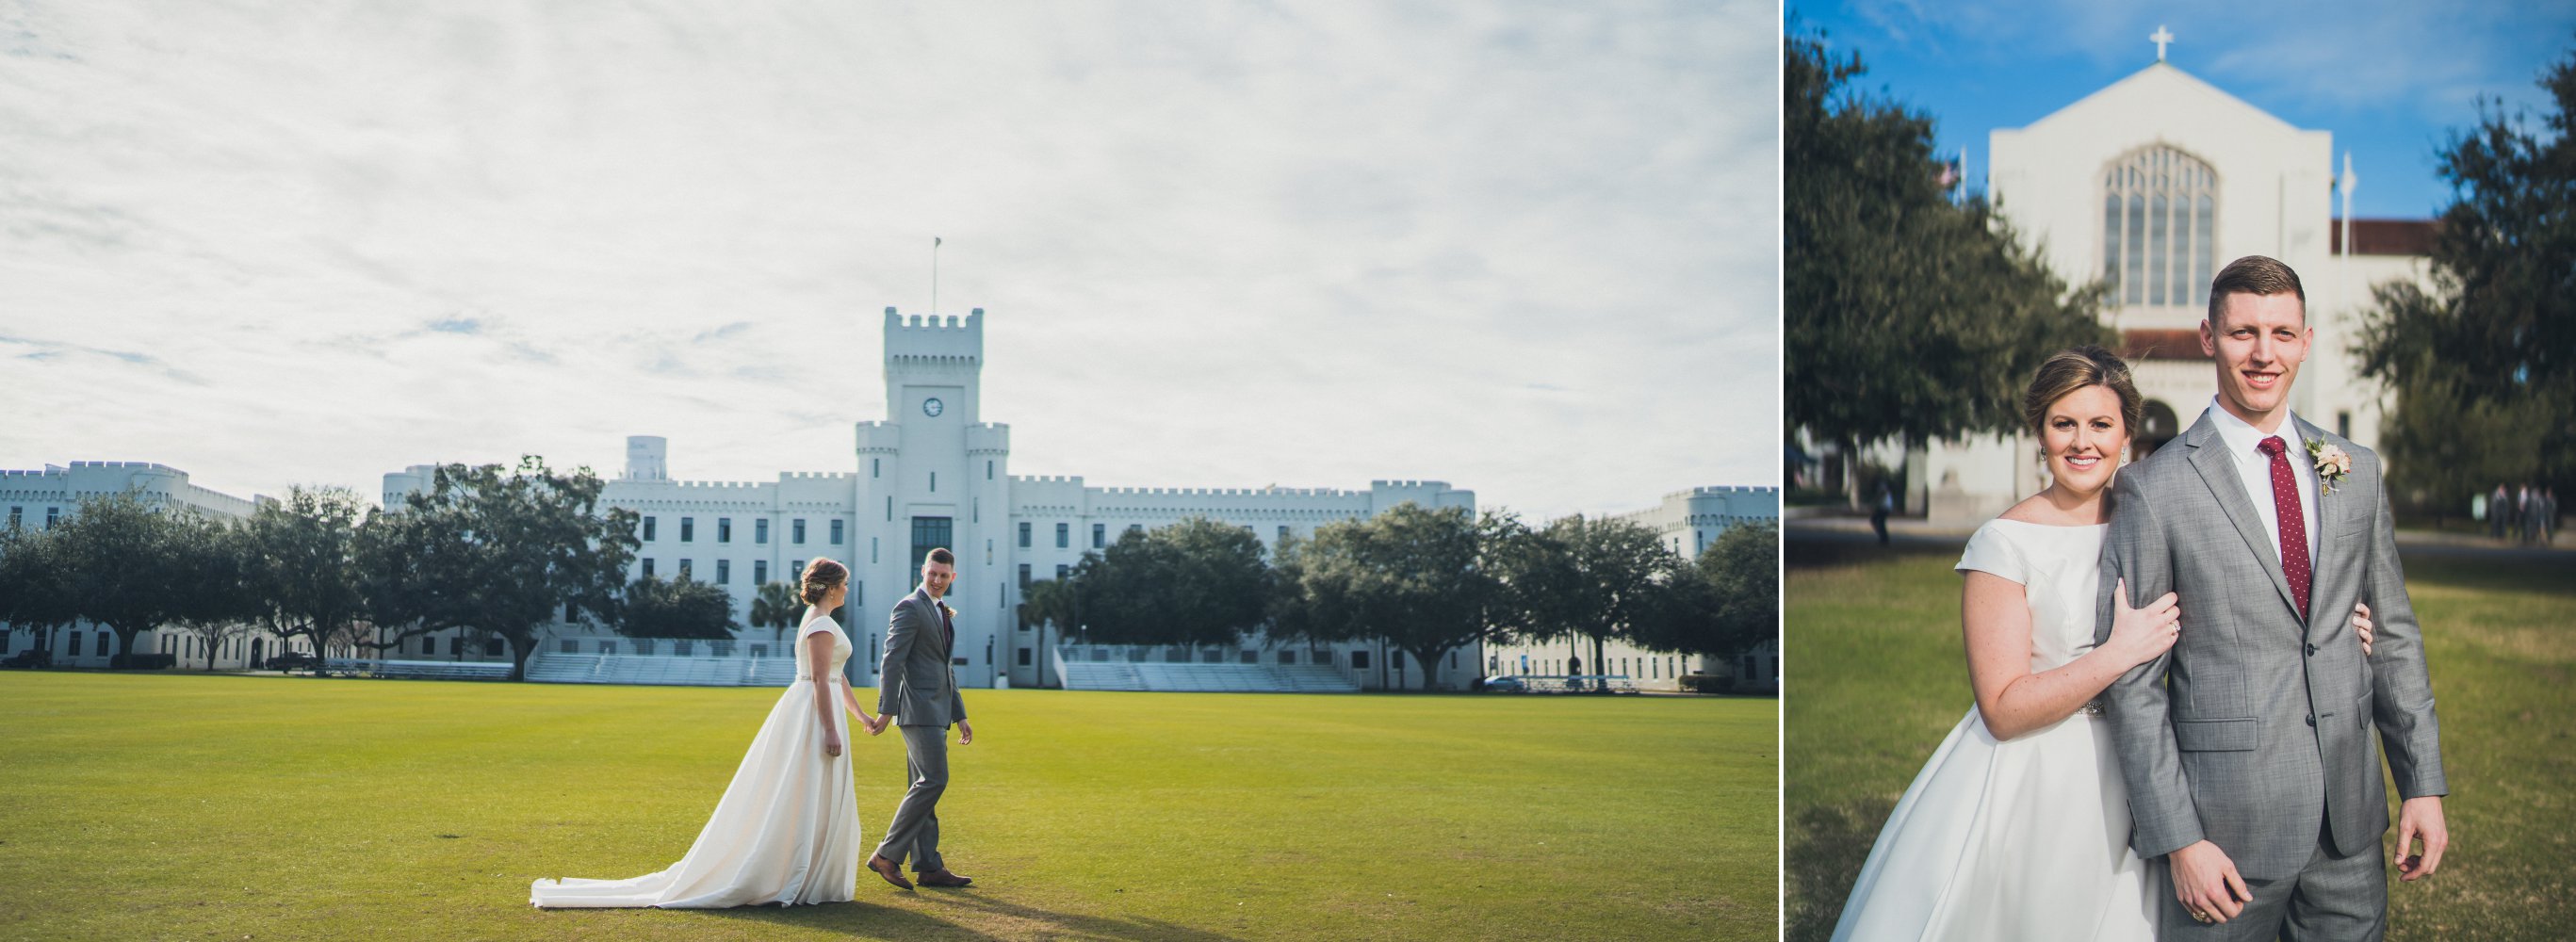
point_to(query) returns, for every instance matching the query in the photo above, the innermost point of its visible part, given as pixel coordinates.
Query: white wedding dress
(2020, 839)
(786, 831)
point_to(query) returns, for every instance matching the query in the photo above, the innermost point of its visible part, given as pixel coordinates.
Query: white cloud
(1530, 250)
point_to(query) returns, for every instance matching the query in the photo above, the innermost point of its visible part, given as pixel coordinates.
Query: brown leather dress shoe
(890, 870)
(942, 877)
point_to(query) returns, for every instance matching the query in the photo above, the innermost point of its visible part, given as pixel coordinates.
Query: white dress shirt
(2255, 468)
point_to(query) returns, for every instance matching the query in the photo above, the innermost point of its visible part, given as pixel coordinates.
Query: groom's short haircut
(2255, 274)
(943, 557)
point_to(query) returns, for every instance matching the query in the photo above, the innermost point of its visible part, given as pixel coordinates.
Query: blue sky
(1527, 248)
(2391, 80)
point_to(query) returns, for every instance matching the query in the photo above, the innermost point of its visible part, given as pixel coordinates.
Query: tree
(1052, 602)
(304, 558)
(498, 551)
(1424, 580)
(35, 585)
(1725, 603)
(1196, 582)
(2484, 365)
(1907, 315)
(1599, 578)
(121, 564)
(774, 606)
(677, 608)
(214, 574)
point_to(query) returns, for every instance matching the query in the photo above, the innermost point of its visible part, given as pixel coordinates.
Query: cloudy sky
(2390, 78)
(1529, 249)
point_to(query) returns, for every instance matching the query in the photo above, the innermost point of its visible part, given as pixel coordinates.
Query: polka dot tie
(2294, 524)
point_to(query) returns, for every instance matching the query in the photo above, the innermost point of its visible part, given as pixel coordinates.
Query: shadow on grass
(984, 918)
(1825, 855)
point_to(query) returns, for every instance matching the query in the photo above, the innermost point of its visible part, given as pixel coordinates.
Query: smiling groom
(917, 685)
(2247, 748)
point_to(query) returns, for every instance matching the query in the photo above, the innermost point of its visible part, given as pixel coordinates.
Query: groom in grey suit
(916, 685)
(2247, 748)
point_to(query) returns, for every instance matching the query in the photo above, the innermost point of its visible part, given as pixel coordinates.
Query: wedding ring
(2200, 914)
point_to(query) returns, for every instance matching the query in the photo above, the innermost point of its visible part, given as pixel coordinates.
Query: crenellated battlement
(932, 339)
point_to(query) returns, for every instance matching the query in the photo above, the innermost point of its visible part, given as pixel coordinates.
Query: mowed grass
(195, 807)
(1881, 678)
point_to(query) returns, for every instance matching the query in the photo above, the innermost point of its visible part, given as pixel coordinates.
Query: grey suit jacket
(915, 681)
(2254, 730)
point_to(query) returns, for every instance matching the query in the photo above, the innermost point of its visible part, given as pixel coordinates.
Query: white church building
(2150, 185)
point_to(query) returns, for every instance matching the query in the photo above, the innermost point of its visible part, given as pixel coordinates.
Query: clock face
(932, 407)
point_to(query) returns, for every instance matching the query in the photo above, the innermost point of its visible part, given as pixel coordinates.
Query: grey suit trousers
(2332, 899)
(914, 832)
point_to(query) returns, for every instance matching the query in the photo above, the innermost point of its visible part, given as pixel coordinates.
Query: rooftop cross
(2161, 38)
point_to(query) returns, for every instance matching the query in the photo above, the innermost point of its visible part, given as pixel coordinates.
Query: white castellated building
(934, 473)
(44, 499)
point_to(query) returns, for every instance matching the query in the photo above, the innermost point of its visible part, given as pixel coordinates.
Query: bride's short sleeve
(1990, 552)
(822, 624)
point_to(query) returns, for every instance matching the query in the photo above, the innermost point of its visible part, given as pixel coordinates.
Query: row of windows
(17, 516)
(759, 530)
(1648, 668)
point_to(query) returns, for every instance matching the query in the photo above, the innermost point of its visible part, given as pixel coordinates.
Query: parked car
(31, 657)
(294, 661)
(1504, 685)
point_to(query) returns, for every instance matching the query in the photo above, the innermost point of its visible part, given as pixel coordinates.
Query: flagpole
(934, 276)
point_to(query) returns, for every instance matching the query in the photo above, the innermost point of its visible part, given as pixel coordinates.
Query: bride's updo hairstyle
(2070, 370)
(821, 577)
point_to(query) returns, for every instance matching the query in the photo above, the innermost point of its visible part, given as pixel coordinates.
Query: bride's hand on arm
(2361, 625)
(2139, 635)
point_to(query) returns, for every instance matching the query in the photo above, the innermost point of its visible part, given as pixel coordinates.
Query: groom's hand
(965, 733)
(2207, 883)
(2420, 817)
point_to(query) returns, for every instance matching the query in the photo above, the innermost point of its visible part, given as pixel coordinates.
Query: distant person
(2522, 514)
(1574, 671)
(2535, 523)
(2497, 509)
(919, 690)
(1879, 510)
(2548, 515)
(787, 829)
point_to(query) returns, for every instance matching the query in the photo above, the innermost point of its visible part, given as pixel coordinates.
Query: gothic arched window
(2159, 219)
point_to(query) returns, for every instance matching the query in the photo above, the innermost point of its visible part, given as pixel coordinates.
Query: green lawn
(174, 806)
(1881, 678)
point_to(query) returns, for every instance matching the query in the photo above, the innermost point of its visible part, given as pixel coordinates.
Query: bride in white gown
(787, 829)
(2018, 827)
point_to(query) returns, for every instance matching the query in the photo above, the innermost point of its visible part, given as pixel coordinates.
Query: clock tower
(931, 474)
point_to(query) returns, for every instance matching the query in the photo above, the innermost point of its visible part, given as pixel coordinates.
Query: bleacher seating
(1206, 678)
(662, 670)
(419, 670)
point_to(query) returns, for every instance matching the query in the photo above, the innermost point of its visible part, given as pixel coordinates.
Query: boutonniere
(2332, 463)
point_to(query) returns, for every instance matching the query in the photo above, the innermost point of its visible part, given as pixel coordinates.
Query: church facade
(2149, 186)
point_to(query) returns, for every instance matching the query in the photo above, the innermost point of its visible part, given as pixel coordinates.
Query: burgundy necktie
(2294, 524)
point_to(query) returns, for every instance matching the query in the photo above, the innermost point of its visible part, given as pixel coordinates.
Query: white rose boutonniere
(2332, 464)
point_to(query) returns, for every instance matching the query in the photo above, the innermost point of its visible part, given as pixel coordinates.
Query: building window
(456, 646)
(934, 482)
(1359, 660)
(684, 569)
(16, 514)
(2343, 424)
(1024, 657)
(988, 470)
(760, 531)
(858, 594)
(796, 531)
(492, 647)
(608, 647)
(760, 650)
(872, 550)
(569, 646)
(1024, 576)
(1024, 534)
(724, 529)
(929, 533)
(1135, 528)
(2159, 222)
(876, 467)
(1283, 534)
(688, 529)
(760, 572)
(648, 567)
(571, 613)
(1062, 570)
(52, 514)
(1063, 535)
(1099, 535)
(648, 529)
(837, 527)
(76, 643)
(1288, 657)
(724, 572)
(643, 645)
